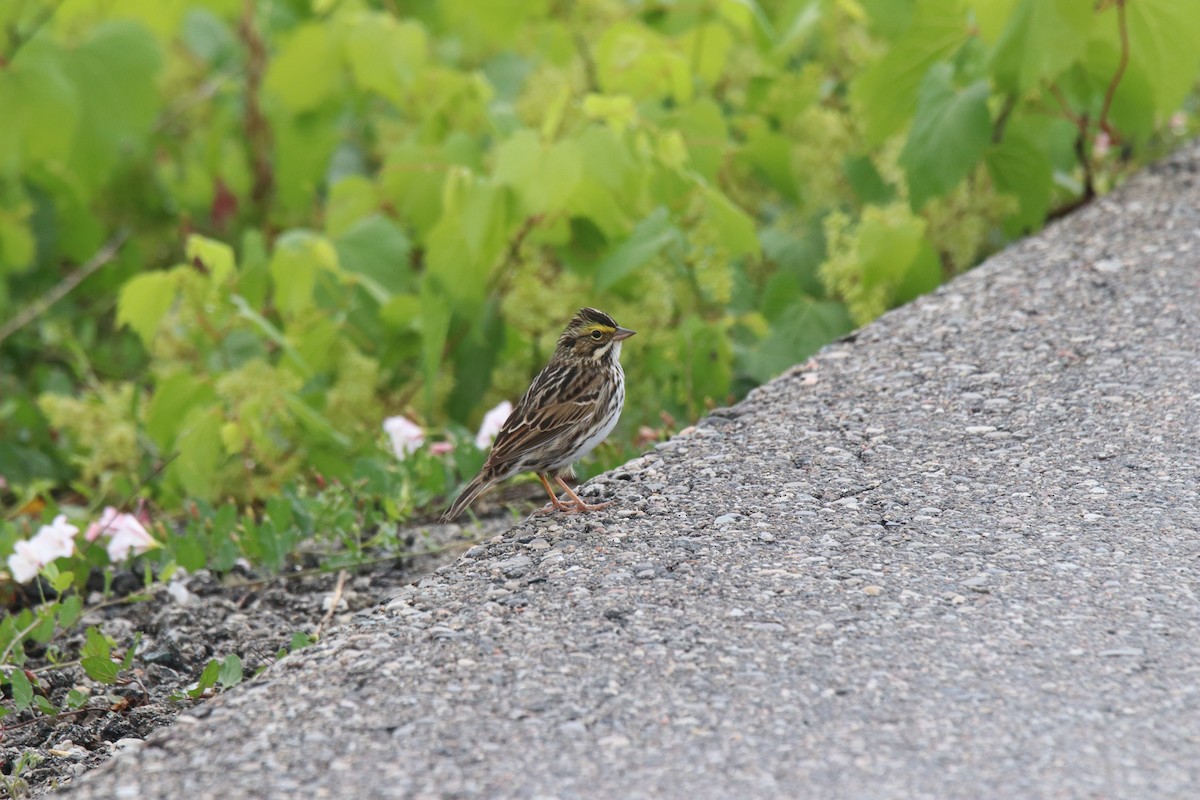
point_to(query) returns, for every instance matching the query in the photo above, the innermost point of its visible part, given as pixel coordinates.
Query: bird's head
(591, 336)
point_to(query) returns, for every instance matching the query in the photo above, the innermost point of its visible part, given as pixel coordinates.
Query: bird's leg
(580, 505)
(558, 504)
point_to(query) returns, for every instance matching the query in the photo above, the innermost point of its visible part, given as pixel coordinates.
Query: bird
(572, 405)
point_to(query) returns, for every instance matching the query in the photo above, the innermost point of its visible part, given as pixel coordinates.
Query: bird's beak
(622, 333)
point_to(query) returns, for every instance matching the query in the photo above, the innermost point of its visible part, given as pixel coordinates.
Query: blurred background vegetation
(235, 235)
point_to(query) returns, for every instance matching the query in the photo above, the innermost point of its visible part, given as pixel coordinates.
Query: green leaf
(216, 257)
(736, 228)
(101, 669)
(949, 135)
(649, 238)
(200, 452)
(40, 87)
(886, 92)
(1042, 38)
(306, 71)
(543, 176)
(77, 699)
(887, 246)
(866, 181)
(45, 706)
(22, 689)
(386, 55)
(1163, 36)
(144, 300)
(96, 644)
(377, 251)
(298, 258)
(924, 274)
(131, 651)
(207, 680)
(115, 71)
(174, 395)
(44, 630)
(299, 641)
(69, 611)
(1020, 166)
(798, 332)
(230, 673)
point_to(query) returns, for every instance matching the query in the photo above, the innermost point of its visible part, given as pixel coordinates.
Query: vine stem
(64, 287)
(1122, 65)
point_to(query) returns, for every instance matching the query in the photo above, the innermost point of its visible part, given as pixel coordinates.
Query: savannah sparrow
(570, 407)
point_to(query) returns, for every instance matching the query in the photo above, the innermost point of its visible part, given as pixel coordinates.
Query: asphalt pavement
(957, 555)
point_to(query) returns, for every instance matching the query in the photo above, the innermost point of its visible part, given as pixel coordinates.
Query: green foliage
(341, 211)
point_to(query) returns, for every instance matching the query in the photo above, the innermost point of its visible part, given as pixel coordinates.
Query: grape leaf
(884, 93)
(1041, 39)
(648, 239)
(1163, 37)
(144, 300)
(949, 134)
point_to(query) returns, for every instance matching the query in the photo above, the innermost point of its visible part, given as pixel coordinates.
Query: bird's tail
(475, 488)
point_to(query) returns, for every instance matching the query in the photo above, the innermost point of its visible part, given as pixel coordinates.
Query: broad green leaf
(298, 258)
(1163, 37)
(95, 643)
(709, 46)
(230, 672)
(207, 680)
(351, 200)
(385, 54)
(886, 92)
(17, 245)
(101, 669)
(703, 127)
(377, 251)
(1020, 166)
(306, 71)
(49, 106)
(115, 74)
(200, 452)
(174, 395)
(798, 332)
(144, 300)
(924, 274)
(635, 60)
(736, 228)
(216, 257)
(949, 135)
(22, 689)
(1041, 39)
(865, 180)
(886, 246)
(542, 175)
(647, 240)
(69, 611)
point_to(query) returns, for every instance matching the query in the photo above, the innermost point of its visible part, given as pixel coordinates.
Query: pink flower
(441, 448)
(126, 535)
(493, 421)
(56, 540)
(406, 435)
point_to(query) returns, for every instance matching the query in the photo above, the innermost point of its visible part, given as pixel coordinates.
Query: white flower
(406, 435)
(56, 540)
(493, 421)
(126, 535)
(24, 563)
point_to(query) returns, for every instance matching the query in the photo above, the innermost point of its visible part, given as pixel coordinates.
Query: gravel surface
(953, 557)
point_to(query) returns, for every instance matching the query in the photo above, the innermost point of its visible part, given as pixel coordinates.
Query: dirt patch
(183, 626)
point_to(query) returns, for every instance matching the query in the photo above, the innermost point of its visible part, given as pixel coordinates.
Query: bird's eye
(597, 335)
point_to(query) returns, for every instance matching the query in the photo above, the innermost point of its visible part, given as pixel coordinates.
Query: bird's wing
(560, 398)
